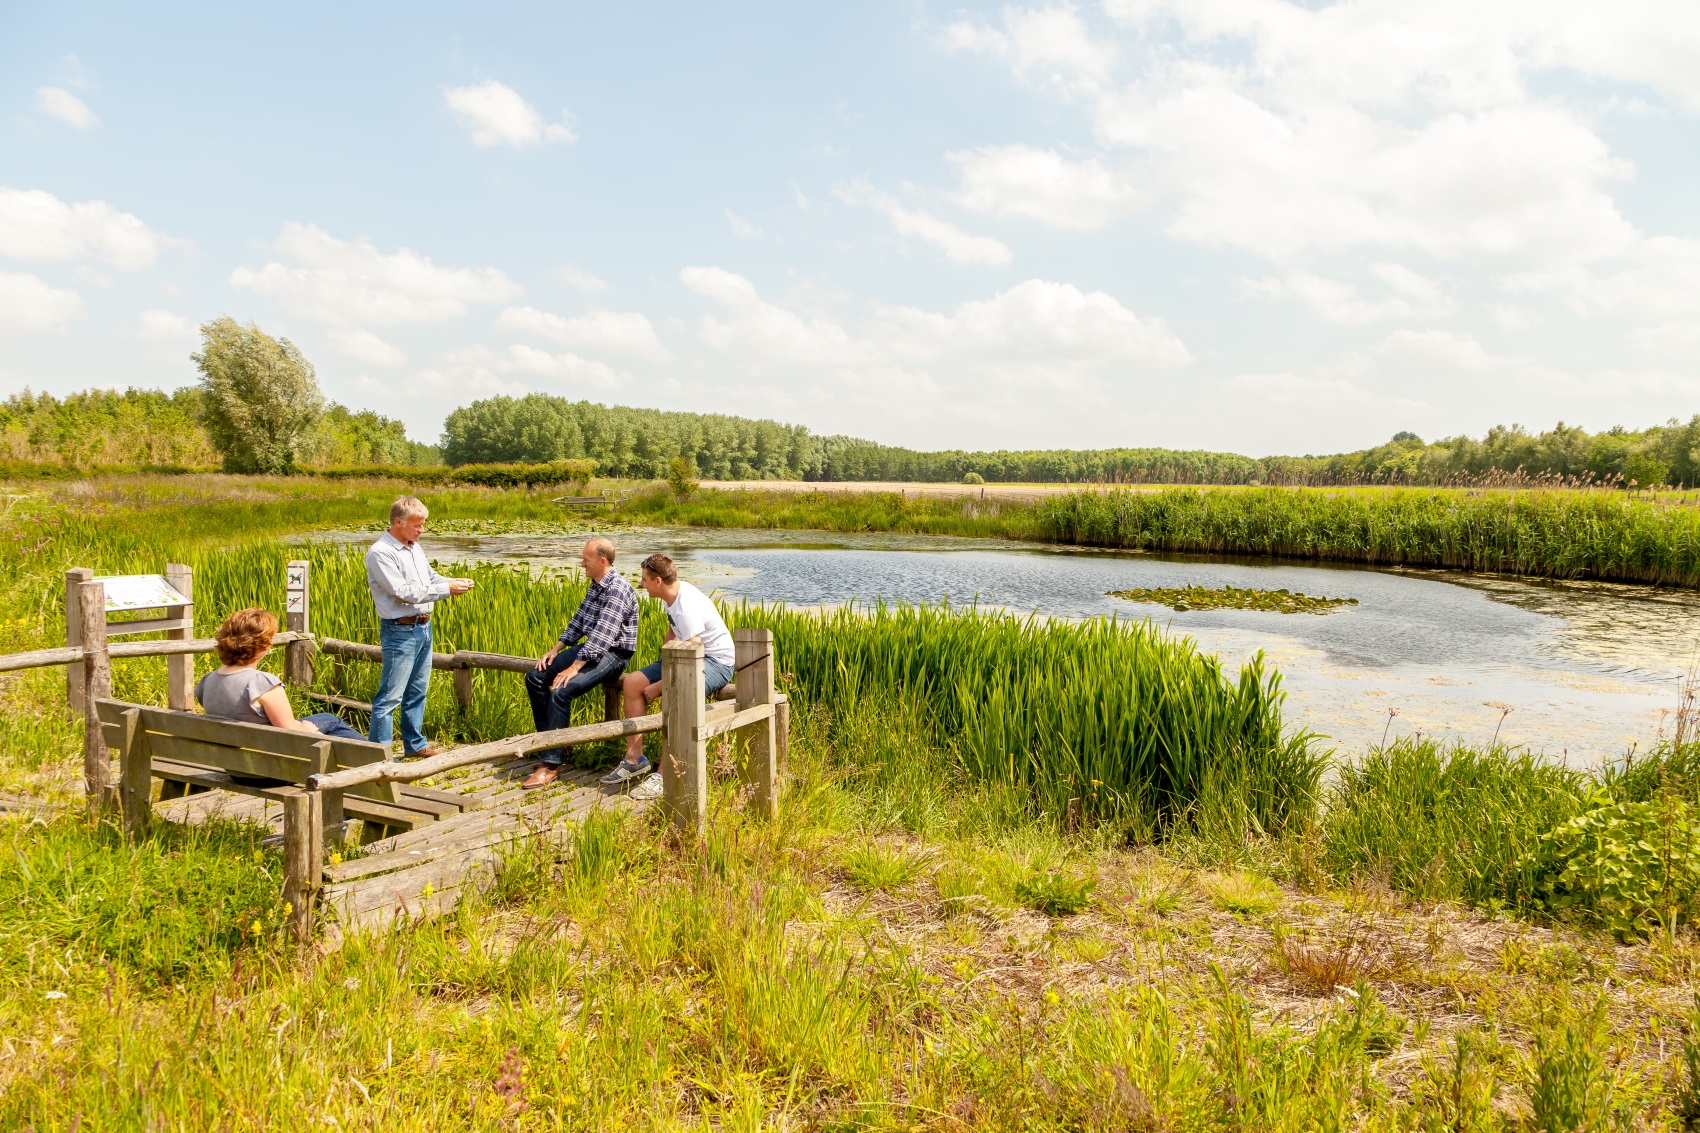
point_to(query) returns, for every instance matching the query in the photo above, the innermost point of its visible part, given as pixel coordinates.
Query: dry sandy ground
(979, 491)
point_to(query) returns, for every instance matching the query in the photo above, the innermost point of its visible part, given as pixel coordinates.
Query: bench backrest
(242, 749)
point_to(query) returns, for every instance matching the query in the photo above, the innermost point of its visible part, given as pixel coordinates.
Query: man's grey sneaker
(625, 772)
(647, 790)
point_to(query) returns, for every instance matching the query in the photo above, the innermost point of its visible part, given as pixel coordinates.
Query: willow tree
(259, 396)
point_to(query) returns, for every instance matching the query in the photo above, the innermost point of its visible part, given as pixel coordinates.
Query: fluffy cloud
(1288, 130)
(958, 246)
(366, 348)
(28, 303)
(1409, 296)
(166, 326)
(57, 102)
(482, 366)
(1041, 185)
(351, 282)
(497, 116)
(36, 225)
(622, 332)
(1036, 328)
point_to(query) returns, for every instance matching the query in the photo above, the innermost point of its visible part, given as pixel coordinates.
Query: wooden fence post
(97, 685)
(297, 655)
(684, 752)
(180, 670)
(782, 737)
(74, 578)
(462, 673)
(754, 667)
(613, 698)
(135, 779)
(303, 860)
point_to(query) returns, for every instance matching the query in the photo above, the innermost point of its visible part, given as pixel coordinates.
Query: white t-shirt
(693, 615)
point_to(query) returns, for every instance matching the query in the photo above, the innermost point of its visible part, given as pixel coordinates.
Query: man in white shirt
(405, 588)
(690, 613)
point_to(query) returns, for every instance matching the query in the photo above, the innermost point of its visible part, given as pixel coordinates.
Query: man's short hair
(604, 548)
(661, 566)
(408, 507)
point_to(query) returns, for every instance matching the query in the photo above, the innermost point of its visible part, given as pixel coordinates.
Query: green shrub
(1628, 865)
(681, 477)
(973, 478)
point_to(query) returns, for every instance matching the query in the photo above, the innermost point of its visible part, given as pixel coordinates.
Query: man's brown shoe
(425, 752)
(542, 777)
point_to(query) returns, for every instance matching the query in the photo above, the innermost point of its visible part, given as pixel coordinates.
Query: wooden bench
(609, 497)
(190, 753)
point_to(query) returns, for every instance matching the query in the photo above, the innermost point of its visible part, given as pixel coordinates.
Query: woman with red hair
(240, 691)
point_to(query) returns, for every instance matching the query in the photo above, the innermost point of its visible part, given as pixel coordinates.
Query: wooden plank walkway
(427, 871)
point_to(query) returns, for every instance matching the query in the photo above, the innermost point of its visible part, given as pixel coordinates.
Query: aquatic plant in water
(1233, 598)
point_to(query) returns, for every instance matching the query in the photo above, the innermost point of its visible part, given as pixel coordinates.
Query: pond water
(1581, 671)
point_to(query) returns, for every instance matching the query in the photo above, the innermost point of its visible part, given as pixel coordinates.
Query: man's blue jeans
(404, 681)
(552, 708)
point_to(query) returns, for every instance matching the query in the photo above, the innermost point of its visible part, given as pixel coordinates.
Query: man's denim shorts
(715, 676)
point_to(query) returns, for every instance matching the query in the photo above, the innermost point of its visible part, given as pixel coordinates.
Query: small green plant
(596, 847)
(879, 869)
(1572, 1089)
(1632, 866)
(1244, 894)
(1055, 893)
(682, 477)
(962, 888)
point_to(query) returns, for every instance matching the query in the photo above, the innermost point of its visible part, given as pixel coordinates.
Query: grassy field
(1437, 939)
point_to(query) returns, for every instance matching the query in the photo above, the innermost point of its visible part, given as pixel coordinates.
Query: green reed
(1549, 533)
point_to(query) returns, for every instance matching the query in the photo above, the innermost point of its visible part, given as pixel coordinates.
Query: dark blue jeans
(403, 683)
(552, 708)
(330, 724)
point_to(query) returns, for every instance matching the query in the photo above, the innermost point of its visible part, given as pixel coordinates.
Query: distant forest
(152, 428)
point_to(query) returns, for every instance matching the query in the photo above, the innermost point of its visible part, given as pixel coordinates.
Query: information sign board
(140, 592)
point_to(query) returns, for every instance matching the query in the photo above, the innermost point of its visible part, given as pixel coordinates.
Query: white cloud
(959, 246)
(36, 225)
(763, 332)
(1041, 185)
(482, 365)
(624, 332)
(366, 348)
(166, 326)
(1288, 129)
(581, 279)
(351, 283)
(57, 102)
(741, 228)
(29, 303)
(1048, 47)
(1409, 296)
(498, 116)
(1300, 391)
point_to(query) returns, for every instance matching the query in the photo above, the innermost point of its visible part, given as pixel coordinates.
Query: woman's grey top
(232, 696)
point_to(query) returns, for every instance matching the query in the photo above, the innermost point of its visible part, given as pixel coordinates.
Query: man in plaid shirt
(607, 620)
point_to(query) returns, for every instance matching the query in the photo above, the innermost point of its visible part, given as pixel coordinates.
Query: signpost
(169, 592)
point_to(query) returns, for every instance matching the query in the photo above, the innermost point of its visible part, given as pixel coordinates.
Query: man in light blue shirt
(404, 588)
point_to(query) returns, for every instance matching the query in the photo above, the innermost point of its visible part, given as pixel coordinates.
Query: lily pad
(1233, 598)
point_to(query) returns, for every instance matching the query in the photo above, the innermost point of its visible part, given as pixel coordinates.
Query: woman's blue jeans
(405, 679)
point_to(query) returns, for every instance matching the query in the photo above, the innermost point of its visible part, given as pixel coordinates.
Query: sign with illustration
(140, 592)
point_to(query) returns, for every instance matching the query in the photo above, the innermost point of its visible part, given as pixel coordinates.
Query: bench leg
(303, 860)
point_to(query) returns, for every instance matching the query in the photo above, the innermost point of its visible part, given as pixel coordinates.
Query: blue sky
(1231, 224)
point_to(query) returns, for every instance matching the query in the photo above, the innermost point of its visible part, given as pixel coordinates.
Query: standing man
(690, 613)
(607, 620)
(404, 588)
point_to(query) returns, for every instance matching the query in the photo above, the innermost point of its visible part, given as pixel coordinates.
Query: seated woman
(240, 692)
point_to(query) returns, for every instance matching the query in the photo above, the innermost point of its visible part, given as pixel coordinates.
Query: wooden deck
(425, 872)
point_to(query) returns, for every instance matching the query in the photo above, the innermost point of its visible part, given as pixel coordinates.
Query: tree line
(258, 408)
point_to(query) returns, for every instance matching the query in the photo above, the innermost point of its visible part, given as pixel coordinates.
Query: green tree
(259, 396)
(682, 477)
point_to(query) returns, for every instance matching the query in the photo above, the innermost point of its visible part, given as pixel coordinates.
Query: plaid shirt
(606, 619)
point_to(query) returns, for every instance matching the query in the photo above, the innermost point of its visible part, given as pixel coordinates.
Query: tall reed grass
(1551, 533)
